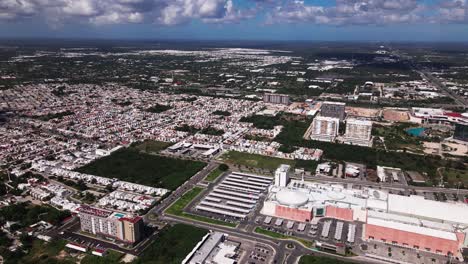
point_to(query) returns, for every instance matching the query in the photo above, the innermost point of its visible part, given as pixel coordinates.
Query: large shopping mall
(408, 221)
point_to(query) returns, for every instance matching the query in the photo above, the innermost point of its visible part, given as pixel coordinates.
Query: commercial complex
(333, 109)
(213, 248)
(114, 225)
(411, 222)
(325, 128)
(358, 132)
(276, 98)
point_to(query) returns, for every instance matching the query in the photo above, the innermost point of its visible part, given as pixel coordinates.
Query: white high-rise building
(282, 175)
(325, 128)
(358, 132)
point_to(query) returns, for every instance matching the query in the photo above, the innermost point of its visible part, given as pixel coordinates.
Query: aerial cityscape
(122, 145)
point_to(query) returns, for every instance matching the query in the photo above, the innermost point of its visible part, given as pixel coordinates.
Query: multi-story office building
(276, 98)
(358, 132)
(325, 128)
(333, 109)
(110, 224)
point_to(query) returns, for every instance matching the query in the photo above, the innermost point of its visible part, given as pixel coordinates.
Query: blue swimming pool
(417, 131)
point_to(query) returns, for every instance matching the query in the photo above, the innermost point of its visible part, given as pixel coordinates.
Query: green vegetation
(26, 214)
(276, 235)
(87, 198)
(187, 128)
(212, 131)
(262, 122)
(177, 209)
(39, 252)
(216, 173)
(79, 185)
(396, 137)
(172, 245)
(158, 108)
(456, 178)
(256, 138)
(222, 113)
(254, 160)
(133, 166)
(113, 257)
(151, 146)
(320, 260)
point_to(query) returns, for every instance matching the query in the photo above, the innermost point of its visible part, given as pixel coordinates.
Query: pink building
(293, 213)
(339, 213)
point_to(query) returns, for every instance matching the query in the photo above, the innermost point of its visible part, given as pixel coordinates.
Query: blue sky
(366, 20)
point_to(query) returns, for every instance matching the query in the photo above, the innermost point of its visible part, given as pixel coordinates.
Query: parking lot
(313, 230)
(402, 254)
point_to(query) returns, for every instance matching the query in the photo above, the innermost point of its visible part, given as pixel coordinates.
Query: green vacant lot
(150, 146)
(320, 260)
(254, 160)
(396, 137)
(113, 257)
(454, 176)
(172, 245)
(132, 166)
(177, 209)
(40, 252)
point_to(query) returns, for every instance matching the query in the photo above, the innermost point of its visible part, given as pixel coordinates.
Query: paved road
(436, 82)
(157, 210)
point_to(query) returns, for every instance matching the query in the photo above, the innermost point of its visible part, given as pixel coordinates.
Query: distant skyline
(339, 20)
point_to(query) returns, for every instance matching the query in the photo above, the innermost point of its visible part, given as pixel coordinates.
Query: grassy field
(396, 137)
(133, 166)
(254, 160)
(113, 257)
(151, 146)
(45, 253)
(273, 234)
(177, 209)
(172, 245)
(320, 260)
(454, 176)
(214, 175)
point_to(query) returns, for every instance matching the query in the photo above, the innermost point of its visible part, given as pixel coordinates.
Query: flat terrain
(152, 170)
(151, 146)
(214, 174)
(454, 176)
(320, 260)
(113, 257)
(172, 245)
(254, 160)
(45, 253)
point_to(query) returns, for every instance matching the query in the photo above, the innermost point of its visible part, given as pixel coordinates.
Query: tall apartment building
(333, 109)
(325, 128)
(110, 224)
(276, 98)
(358, 132)
(282, 175)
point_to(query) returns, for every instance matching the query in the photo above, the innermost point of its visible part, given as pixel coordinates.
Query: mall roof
(419, 206)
